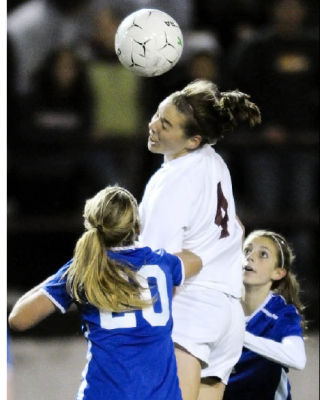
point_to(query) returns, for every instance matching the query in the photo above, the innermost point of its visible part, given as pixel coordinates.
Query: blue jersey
(254, 376)
(131, 354)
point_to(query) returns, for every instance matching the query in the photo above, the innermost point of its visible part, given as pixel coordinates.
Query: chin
(153, 149)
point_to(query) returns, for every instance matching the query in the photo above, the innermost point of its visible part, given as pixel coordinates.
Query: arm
(192, 262)
(30, 309)
(289, 353)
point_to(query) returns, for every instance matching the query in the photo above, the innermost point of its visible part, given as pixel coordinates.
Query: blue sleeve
(176, 268)
(56, 289)
(289, 324)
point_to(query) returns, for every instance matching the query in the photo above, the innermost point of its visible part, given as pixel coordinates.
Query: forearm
(192, 262)
(289, 353)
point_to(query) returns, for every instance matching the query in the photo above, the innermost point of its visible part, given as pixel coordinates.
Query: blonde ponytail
(111, 219)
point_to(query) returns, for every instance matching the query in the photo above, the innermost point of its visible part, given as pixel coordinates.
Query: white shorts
(210, 325)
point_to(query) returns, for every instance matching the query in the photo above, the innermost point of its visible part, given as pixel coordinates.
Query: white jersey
(188, 204)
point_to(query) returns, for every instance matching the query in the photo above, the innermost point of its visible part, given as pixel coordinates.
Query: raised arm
(191, 261)
(30, 309)
(289, 353)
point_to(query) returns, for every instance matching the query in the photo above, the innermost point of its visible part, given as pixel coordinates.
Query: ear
(194, 142)
(137, 228)
(278, 274)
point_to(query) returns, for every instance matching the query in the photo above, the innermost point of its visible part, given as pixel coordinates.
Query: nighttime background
(77, 122)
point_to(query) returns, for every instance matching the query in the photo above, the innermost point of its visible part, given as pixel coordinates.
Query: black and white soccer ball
(149, 42)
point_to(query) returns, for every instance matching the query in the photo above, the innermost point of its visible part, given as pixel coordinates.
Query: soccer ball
(149, 42)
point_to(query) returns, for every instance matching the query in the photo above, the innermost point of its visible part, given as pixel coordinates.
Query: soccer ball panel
(149, 42)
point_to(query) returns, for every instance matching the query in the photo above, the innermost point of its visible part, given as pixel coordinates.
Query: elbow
(301, 364)
(196, 265)
(16, 323)
(200, 264)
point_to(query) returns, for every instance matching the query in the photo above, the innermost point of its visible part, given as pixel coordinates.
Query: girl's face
(261, 262)
(166, 133)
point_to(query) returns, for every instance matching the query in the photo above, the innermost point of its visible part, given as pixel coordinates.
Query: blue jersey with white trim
(131, 354)
(254, 376)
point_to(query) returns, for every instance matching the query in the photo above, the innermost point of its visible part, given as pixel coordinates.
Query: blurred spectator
(201, 57)
(61, 103)
(279, 68)
(38, 27)
(230, 20)
(180, 10)
(50, 151)
(118, 129)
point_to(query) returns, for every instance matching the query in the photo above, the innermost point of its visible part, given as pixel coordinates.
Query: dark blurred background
(77, 121)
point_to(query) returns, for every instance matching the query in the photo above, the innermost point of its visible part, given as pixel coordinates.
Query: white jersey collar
(122, 248)
(249, 317)
(205, 149)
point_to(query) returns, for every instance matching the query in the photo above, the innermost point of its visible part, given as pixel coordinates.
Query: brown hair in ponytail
(211, 113)
(111, 220)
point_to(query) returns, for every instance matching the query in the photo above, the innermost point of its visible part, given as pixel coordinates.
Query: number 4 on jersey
(222, 218)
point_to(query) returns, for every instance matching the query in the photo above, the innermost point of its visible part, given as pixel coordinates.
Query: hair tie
(99, 229)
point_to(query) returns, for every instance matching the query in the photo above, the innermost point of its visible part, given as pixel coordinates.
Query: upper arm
(30, 311)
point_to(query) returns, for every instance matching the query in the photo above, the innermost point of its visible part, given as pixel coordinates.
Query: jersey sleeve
(176, 267)
(289, 323)
(55, 289)
(285, 344)
(289, 353)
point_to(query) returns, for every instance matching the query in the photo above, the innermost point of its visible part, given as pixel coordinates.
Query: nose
(150, 125)
(249, 257)
(154, 124)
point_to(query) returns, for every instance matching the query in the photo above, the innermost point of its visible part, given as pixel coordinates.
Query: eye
(264, 254)
(164, 126)
(246, 251)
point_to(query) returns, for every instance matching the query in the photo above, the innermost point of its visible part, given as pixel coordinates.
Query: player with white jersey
(124, 296)
(274, 321)
(188, 203)
(194, 195)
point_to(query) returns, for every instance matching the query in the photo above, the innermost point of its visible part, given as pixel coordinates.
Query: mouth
(248, 268)
(152, 141)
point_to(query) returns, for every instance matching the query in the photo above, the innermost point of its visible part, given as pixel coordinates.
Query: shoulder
(278, 305)
(170, 265)
(273, 311)
(171, 180)
(167, 260)
(287, 317)
(162, 254)
(60, 275)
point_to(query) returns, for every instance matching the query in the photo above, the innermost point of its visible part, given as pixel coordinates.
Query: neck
(253, 297)
(170, 157)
